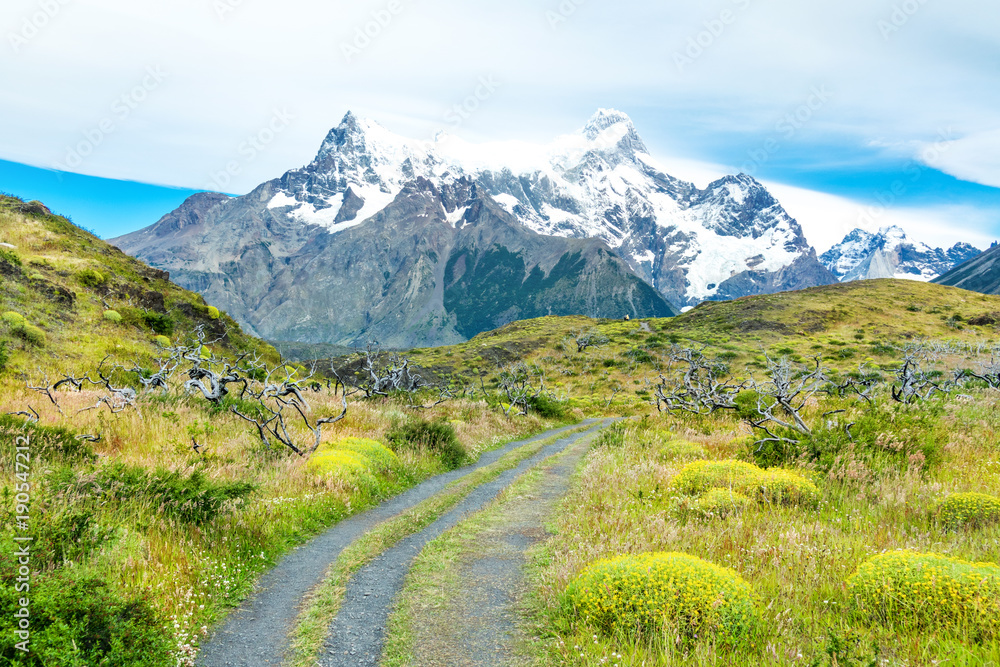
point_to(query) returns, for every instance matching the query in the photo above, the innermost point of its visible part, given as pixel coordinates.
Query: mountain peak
(605, 118)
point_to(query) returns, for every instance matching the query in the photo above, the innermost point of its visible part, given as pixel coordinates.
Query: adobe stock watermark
(713, 29)
(460, 113)
(901, 14)
(365, 35)
(567, 8)
(225, 7)
(33, 24)
(123, 107)
(886, 198)
(22, 541)
(250, 148)
(786, 128)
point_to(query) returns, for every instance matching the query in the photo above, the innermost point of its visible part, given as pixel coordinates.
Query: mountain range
(430, 242)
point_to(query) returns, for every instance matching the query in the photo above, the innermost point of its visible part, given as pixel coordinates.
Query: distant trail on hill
(357, 634)
(256, 634)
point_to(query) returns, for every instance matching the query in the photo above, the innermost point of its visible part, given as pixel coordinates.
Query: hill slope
(979, 274)
(57, 283)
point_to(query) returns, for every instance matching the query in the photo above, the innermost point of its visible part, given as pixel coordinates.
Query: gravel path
(478, 625)
(256, 634)
(357, 633)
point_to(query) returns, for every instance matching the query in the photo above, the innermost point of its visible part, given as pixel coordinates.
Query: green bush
(113, 316)
(48, 442)
(13, 319)
(160, 323)
(681, 450)
(436, 436)
(612, 436)
(162, 341)
(10, 256)
(653, 593)
(91, 278)
(903, 589)
(78, 620)
(969, 509)
(213, 312)
(4, 355)
(193, 498)
(547, 407)
(30, 334)
(35, 275)
(720, 503)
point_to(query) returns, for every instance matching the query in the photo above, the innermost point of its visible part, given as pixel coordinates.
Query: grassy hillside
(141, 538)
(63, 280)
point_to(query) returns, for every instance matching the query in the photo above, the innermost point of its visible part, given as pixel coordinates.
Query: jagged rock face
(728, 240)
(979, 274)
(890, 254)
(437, 265)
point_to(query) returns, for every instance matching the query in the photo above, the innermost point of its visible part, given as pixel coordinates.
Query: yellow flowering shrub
(341, 464)
(908, 589)
(781, 487)
(682, 450)
(772, 486)
(720, 503)
(649, 592)
(699, 476)
(969, 509)
(381, 459)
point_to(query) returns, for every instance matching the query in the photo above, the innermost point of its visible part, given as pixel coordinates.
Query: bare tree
(916, 382)
(519, 385)
(781, 398)
(694, 383)
(585, 338)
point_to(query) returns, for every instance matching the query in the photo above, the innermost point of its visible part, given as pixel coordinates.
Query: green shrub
(681, 450)
(30, 334)
(648, 594)
(720, 503)
(438, 437)
(4, 355)
(699, 476)
(91, 278)
(547, 407)
(193, 498)
(35, 276)
(162, 341)
(48, 442)
(13, 319)
(904, 589)
(213, 312)
(969, 509)
(80, 620)
(10, 256)
(612, 436)
(160, 323)
(113, 316)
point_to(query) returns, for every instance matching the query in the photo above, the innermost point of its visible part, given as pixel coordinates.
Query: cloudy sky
(856, 113)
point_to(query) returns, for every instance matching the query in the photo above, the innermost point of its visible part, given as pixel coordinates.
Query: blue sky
(830, 105)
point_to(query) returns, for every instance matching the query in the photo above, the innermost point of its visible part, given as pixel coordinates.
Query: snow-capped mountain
(728, 240)
(889, 253)
(599, 184)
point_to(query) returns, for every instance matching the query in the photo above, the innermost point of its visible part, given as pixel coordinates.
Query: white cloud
(975, 157)
(826, 219)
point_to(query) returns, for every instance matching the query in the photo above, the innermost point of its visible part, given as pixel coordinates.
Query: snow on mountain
(599, 182)
(889, 253)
